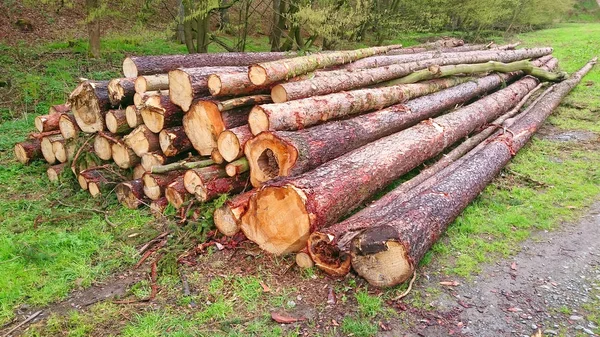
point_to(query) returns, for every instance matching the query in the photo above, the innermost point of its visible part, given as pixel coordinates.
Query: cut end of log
(53, 174)
(48, 150)
(133, 116)
(217, 157)
(115, 91)
(304, 261)
(140, 85)
(68, 128)
(225, 221)
(258, 120)
(165, 139)
(231, 170)
(86, 109)
(269, 157)
(123, 156)
(202, 123)
(21, 154)
(152, 159)
(180, 89)
(229, 146)
(277, 220)
(214, 84)
(129, 68)
(176, 198)
(257, 75)
(278, 94)
(382, 263)
(191, 181)
(138, 171)
(111, 123)
(328, 256)
(151, 188)
(103, 148)
(94, 189)
(39, 123)
(153, 117)
(82, 182)
(129, 194)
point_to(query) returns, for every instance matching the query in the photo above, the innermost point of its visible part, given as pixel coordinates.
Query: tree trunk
(124, 156)
(50, 121)
(320, 197)
(28, 150)
(133, 116)
(400, 234)
(54, 172)
(134, 66)
(274, 71)
(116, 121)
(231, 142)
(121, 91)
(204, 122)
(155, 184)
(187, 84)
(68, 126)
(89, 103)
(141, 140)
(227, 217)
(158, 112)
(93, 25)
(176, 193)
(174, 141)
(322, 85)
(198, 177)
(277, 25)
(237, 167)
(103, 144)
(180, 19)
(131, 194)
(212, 189)
(151, 83)
(295, 115)
(202, 30)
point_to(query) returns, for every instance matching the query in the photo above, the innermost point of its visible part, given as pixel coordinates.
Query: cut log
(99, 179)
(121, 91)
(289, 153)
(155, 184)
(138, 99)
(103, 144)
(28, 150)
(131, 193)
(188, 84)
(68, 126)
(186, 164)
(116, 121)
(133, 116)
(47, 149)
(174, 141)
(304, 261)
(141, 140)
(155, 158)
(237, 102)
(299, 114)
(387, 252)
(124, 156)
(274, 71)
(212, 189)
(64, 150)
(151, 83)
(204, 122)
(233, 84)
(55, 171)
(134, 66)
(138, 172)
(227, 217)
(176, 193)
(60, 109)
(194, 178)
(216, 156)
(237, 167)
(231, 142)
(50, 121)
(158, 207)
(89, 103)
(158, 112)
(320, 197)
(340, 81)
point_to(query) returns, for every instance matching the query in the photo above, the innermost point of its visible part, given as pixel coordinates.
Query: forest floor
(524, 255)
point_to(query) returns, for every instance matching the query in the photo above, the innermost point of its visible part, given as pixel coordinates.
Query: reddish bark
(176, 193)
(131, 193)
(157, 207)
(50, 121)
(28, 150)
(155, 184)
(212, 189)
(227, 217)
(195, 178)
(55, 171)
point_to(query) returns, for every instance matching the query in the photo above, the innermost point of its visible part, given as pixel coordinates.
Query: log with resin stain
(151, 83)
(141, 140)
(227, 217)
(121, 91)
(131, 194)
(231, 142)
(116, 121)
(68, 127)
(158, 112)
(155, 184)
(89, 104)
(173, 141)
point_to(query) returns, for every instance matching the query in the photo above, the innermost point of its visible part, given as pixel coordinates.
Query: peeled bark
(124, 156)
(227, 217)
(194, 179)
(28, 150)
(212, 189)
(322, 85)
(155, 184)
(55, 171)
(299, 114)
(151, 83)
(116, 121)
(174, 141)
(68, 126)
(131, 193)
(270, 72)
(133, 116)
(176, 193)
(158, 112)
(320, 197)
(148, 65)
(237, 167)
(400, 234)
(50, 121)
(141, 140)
(158, 207)
(103, 144)
(204, 123)
(188, 84)
(121, 91)
(89, 103)
(231, 142)
(47, 149)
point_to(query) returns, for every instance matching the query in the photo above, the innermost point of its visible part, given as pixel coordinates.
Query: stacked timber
(301, 141)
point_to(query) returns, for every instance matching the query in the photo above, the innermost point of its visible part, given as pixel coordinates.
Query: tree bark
(28, 150)
(135, 66)
(158, 207)
(237, 167)
(103, 144)
(274, 71)
(116, 121)
(54, 172)
(231, 142)
(227, 217)
(299, 114)
(124, 156)
(151, 83)
(212, 189)
(176, 193)
(277, 25)
(93, 25)
(197, 177)
(131, 194)
(155, 184)
(322, 85)
(141, 140)
(121, 91)
(68, 126)
(239, 102)
(158, 112)
(320, 197)
(173, 141)
(405, 231)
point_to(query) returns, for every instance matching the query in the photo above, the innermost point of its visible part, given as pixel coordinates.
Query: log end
(278, 94)
(52, 174)
(175, 197)
(304, 261)
(214, 84)
(82, 181)
(152, 159)
(68, 129)
(165, 139)
(277, 220)
(48, 150)
(140, 85)
(111, 122)
(94, 189)
(216, 156)
(229, 146)
(181, 92)
(21, 154)
(225, 221)
(133, 116)
(257, 75)
(129, 68)
(258, 120)
(327, 256)
(60, 151)
(202, 124)
(103, 148)
(115, 92)
(153, 118)
(191, 181)
(269, 157)
(138, 171)
(123, 156)
(126, 194)
(39, 123)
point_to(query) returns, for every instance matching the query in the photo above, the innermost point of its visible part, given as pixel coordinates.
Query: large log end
(269, 157)
(180, 89)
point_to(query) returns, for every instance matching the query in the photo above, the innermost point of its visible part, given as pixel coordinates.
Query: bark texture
(174, 141)
(237, 167)
(212, 189)
(28, 150)
(50, 121)
(121, 91)
(234, 84)
(197, 177)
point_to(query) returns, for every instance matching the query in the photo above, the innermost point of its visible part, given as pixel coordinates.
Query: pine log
(188, 84)
(131, 193)
(89, 103)
(174, 141)
(155, 184)
(176, 193)
(138, 99)
(227, 217)
(203, 124)
(50, 121)
(320, 197)
(151, 83)
(322, 85)
(231, 142)
(47, 149)
(158, 112)
(186, 164)
(387, 252)
(237, 167)
(216, 156)
(213, 188)
(28, 150)
(99, 179)
(134, 66)
(68, 126)
(158, 207)
(103, 144)
(116, 121)
(64, 150)
(121, 91)
(304, 261)
(155, 158)
(133, 116)
(54, 172)
(124, 156)
(138, 172)
(299, 114)
(194, 178)
(141, 140)
(274, 71)
(237, 102)
(233, 84)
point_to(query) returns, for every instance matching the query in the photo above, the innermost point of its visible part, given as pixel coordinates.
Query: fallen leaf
(513, 266)
(279, 318)
(450, 283)
(265, 287)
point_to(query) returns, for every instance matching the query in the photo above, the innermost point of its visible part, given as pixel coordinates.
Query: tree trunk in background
(202, 28)
(278, 24)
(180, 18)
(93, 27)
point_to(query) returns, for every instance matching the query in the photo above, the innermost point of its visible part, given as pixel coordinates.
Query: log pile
(301, 141)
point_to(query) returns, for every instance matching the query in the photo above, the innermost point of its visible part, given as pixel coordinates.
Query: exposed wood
(124, 156)
(100, 179)
(194, 178)
(47, 149)
(151, 83)
(304, 261)
(173, 141)
(131, 193)
(103, 144)
(158, 112)
(64, 150)
(54, 172)
(227, 217)
(213, 188)
(89, 103)
(233, 84)
(116, 121)
(28, 150)
(138, 172)
(133, 116)
(139, 98)
(186, 164)
(237, 167)
(59, 108)
(158, 207)
(155, 184)
(141, 140)
(50, 121)
(68, 126)
(216, 156)
(237, 102)
(121, 91)
(176, 193)
(231, 142)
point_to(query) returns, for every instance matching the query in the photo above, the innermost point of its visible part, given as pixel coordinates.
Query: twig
(79, 153)
(29, 319)
(408, 289)
(108, 221)
(144, 247)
